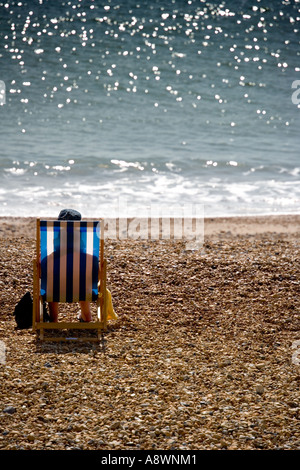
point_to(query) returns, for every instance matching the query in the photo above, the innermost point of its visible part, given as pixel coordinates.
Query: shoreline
(213, 226)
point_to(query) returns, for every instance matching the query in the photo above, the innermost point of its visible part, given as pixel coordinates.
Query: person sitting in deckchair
(70, 214)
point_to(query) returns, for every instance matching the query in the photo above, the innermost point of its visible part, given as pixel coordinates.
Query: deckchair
(69, 267)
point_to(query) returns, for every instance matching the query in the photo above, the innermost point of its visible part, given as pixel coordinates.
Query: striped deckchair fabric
(70, 267)
(69, 260)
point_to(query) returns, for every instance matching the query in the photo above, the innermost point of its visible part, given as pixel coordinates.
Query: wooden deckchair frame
(99, 325)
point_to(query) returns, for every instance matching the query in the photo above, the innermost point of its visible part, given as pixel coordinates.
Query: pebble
(260, 389)
(10, 410)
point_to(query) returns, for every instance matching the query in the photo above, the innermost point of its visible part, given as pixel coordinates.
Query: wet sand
(204, 354)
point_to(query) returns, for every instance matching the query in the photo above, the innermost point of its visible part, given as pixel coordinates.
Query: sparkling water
(161, 102)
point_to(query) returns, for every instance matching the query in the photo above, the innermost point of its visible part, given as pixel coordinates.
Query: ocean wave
(94, 200)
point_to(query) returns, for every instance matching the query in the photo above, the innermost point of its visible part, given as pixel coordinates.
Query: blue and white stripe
(69, 260)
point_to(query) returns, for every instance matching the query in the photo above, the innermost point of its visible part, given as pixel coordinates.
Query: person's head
(69, 214)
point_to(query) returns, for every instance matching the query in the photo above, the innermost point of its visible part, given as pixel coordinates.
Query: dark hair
(69, 214)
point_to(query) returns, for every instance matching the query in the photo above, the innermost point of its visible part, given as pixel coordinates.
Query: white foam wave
(96, 200)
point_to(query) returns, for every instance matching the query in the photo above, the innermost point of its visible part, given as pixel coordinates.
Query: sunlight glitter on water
(138, 95)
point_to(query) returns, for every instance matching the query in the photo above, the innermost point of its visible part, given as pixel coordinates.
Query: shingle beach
(203, 355)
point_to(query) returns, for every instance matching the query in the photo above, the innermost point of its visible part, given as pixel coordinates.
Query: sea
(139, 104)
